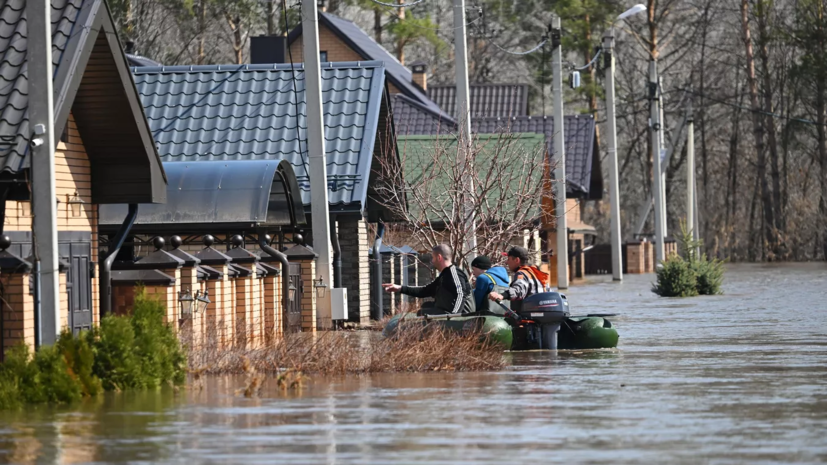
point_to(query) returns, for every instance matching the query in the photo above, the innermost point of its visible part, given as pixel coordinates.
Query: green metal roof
(418, 155)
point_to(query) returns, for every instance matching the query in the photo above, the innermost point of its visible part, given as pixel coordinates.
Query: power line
(752, 110)
(295, 89)
(527, 52)
(398, 5)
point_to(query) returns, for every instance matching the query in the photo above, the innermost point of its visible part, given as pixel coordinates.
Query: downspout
(377, 262)
(285, 274)
(106, 269)
(337, 254)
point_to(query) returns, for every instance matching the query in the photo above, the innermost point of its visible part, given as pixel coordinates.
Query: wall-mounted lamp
(76, 203)
(320, 286)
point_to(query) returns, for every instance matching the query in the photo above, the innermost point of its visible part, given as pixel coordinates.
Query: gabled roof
(411, 117)
(418, 155)
(247, 112)
(487, 100)
(92, 80)
(398, 74)
(583, 172)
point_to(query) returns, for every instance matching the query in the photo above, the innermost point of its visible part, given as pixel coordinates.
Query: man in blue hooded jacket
(489, 279)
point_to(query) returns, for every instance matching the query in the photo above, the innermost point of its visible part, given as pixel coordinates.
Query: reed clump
(414, 348)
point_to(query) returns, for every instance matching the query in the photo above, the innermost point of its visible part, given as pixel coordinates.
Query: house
(211, 114)
(104, 154)
(419, 109)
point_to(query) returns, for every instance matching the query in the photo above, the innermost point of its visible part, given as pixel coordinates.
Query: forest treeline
(754, 72)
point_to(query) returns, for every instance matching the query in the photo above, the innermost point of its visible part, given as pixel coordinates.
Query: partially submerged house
(255, 113)
(104, 154)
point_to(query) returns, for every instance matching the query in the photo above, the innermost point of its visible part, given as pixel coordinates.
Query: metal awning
(212, 196)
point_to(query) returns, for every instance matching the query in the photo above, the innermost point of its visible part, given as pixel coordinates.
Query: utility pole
(319, 206)
(559, 156)
(464, 117)
(661, 151)
(690, 170)
(44, 196)
(611, 138)
(654, 128)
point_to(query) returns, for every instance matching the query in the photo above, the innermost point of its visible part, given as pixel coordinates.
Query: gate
(293, 319)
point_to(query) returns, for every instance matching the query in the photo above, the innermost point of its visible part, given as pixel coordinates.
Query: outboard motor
(547, 310)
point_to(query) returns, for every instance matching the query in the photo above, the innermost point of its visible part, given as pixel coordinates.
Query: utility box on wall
(338, 303)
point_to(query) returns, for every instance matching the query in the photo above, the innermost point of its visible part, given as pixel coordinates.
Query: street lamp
(611, 120)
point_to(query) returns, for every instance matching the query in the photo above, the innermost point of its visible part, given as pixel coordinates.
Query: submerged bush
(676, 278)
(126, 352)
(710, 275)
(692, 275)
(138, 351)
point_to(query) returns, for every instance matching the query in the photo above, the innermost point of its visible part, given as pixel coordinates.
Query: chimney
(265, 50)
(420, 78)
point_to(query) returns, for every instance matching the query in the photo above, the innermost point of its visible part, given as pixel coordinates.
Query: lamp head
(639, 8)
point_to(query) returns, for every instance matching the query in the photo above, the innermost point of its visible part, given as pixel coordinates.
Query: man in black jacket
(451, 290)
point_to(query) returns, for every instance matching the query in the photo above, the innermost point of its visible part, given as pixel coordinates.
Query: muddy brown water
(737, 378)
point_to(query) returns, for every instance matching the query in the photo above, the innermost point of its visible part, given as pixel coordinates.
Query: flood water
(737, 378)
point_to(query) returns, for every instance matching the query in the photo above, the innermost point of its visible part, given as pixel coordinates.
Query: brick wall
(18, 311)
(73, 173)
(353, 240)
(328, 42)
(308, 303)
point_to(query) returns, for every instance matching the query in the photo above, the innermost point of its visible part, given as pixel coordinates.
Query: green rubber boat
(544, 323)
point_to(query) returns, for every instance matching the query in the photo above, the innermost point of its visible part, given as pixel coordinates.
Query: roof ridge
(251, 67)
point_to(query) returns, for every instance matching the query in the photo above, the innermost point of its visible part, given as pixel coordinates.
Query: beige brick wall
(73, 173)
(18, 311)
(308, 303)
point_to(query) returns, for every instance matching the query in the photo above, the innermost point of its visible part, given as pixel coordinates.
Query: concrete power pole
(654, 128)
(559, 156)
(319, 213)
(464, 114)
(690, 171)
(662, 150)
(611, 139)
(44, 196)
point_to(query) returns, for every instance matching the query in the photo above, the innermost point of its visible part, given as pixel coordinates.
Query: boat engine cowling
(547, 310)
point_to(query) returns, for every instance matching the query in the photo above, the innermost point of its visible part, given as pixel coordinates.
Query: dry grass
(413, 349)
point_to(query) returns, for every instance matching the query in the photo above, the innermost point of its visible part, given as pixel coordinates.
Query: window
(323, 57)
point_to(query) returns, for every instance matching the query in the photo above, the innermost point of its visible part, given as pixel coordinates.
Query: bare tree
(429, 182)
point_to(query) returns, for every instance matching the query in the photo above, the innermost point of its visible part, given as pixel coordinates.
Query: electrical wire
(295, 90)
(398, 5)
(527, 52)
(444, 29)
(599, 51)
(752, 110)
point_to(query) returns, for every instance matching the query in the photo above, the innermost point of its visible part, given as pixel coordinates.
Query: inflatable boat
(543, 322)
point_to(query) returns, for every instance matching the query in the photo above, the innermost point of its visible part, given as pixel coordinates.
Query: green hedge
(691, 275)
(138, 351)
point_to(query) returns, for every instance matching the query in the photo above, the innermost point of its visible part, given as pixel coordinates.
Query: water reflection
(733, 378)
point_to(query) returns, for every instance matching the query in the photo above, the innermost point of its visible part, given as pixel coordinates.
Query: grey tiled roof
(247, 112)
(583, 175)
(487, 100)
(413, 118)
(14, 88)
(397, 73)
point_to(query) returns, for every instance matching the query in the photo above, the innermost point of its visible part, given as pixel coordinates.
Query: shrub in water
(138, 351)
(45, 377)
(676, 278)
(710, 275)
(157, 347)
(80, 360)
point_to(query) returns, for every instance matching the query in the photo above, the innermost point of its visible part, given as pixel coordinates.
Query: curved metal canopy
(218, 196)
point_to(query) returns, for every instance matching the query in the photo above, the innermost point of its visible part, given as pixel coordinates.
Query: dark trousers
(429, 309)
